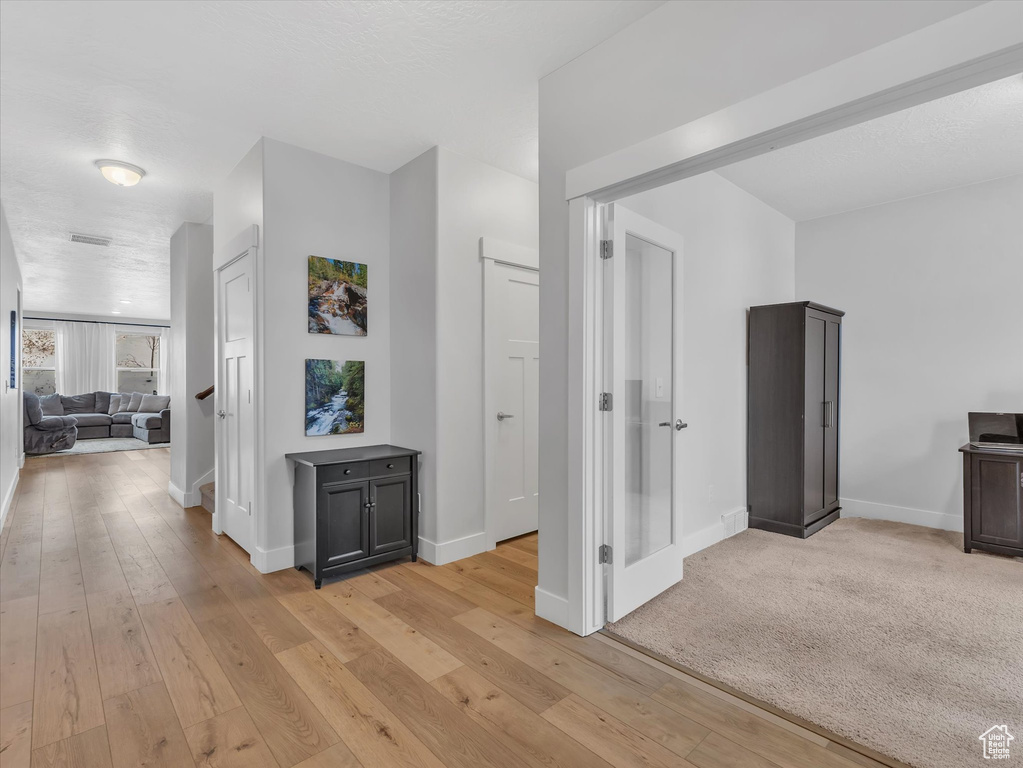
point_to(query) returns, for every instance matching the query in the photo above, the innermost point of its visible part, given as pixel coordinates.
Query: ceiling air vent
(90, 239)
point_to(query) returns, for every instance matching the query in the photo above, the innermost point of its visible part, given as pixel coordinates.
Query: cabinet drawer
(336, 473)
(398, 466)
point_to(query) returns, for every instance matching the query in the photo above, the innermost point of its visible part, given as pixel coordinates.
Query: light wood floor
(131, 635)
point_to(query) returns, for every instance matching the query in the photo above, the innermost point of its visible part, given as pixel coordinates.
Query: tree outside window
(38, 368)
(138, 363)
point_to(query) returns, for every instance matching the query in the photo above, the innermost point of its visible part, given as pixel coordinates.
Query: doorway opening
(756, 609)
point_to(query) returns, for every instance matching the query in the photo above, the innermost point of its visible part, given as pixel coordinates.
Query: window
(38, 373)
(138, 363)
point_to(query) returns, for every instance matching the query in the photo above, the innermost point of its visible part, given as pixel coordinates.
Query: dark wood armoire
(793, 395)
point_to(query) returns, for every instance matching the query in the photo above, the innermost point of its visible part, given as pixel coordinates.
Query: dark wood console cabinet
(793, 417)
(992, 500)
(355, 507)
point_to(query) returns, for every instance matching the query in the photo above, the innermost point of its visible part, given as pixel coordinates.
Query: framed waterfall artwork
(335, 399)
(337, 297)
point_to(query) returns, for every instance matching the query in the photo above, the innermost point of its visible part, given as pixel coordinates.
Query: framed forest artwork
(335, 399)
(337, 297)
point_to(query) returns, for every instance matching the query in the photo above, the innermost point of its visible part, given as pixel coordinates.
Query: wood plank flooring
(131, 635)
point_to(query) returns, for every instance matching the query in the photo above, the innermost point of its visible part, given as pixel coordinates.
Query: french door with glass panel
(642, 376)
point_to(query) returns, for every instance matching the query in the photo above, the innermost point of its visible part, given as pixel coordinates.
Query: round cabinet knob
(348, 471)
(390, 466)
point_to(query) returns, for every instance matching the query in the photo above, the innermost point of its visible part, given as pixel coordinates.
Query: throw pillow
(122, 406)
(136, 401)
(154, 403)
(51, 405)
(102, 402)
(79, 403)
(115, 405)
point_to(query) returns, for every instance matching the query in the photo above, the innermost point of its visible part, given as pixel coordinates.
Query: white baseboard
(449, 551)
(176, 493)
(710, 535)
(8, 498)
(941, 520)
(702, 539)
(270, 560)
(551, 607)
(194, 495)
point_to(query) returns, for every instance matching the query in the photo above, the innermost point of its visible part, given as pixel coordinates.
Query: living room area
(92, 386)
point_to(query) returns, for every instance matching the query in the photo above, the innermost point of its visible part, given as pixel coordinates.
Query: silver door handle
(664, 424)
(501, 415)
(222, 414)
(680, 425)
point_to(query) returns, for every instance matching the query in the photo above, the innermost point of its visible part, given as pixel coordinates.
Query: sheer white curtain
(165, 354)
(84, 357)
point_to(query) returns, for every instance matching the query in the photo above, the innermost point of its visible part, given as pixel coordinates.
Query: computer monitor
(1001, 431)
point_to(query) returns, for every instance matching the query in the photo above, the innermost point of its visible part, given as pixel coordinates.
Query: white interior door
(512, 383)
(643, 312)
(234, 399)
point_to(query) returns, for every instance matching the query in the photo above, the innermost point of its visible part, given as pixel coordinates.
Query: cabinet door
(832, 350)
(390, 514)
(343, 530)
(997, 504)
(813, 416)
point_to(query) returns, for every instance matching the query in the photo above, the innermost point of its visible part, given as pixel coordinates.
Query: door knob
(680, 425)
(222, 414)
(501, 415)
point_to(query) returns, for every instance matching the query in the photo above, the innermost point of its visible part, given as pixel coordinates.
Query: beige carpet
(885, 633)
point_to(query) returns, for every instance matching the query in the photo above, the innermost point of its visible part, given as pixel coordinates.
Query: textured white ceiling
(185, 88)
(972, 136)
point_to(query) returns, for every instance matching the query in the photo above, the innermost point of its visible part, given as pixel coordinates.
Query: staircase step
(208, 497)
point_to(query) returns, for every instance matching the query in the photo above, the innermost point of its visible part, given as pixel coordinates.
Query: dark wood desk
(355, 507)
(992, 500)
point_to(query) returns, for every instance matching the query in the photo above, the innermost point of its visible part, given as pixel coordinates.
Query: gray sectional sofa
(46, 434)
(111, 414)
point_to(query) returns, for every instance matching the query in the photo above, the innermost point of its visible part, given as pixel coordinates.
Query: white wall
(238, 203)
(419, 231)
(932, 288)
(474, 200)
(315, 205)
(414, 320)
(441, 205)
(11, 445)
(738, 252)
(192, 357)
(678, 63)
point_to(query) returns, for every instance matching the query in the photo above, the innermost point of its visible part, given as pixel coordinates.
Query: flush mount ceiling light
(121, 174)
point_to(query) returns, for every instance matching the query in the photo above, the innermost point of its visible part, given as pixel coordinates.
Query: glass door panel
(642, 326)
(648, 398)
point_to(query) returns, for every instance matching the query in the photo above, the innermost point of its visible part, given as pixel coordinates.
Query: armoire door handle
(829, 413)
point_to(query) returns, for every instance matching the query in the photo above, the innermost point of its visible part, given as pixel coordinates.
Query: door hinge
(607, 249)
(605, 401)
(604, 554)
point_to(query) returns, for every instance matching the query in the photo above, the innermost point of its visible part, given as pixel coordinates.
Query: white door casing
(235, 399)
(511, 329)
(643, 374)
